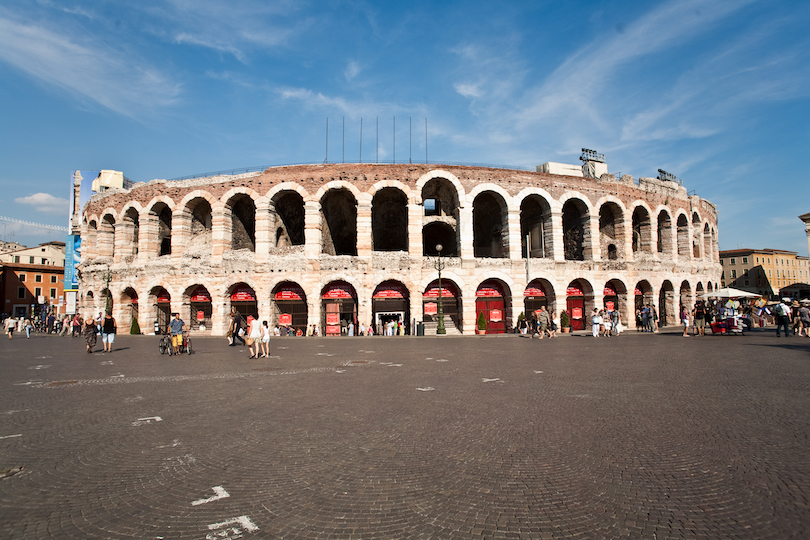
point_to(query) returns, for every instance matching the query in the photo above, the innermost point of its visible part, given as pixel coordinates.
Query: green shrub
(134, 329)
(565, 322)
(482, 322)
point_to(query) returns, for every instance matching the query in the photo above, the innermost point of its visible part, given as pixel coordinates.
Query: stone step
(430, 328)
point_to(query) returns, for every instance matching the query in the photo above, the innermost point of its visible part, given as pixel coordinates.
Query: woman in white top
(265, 331)
(255, 335)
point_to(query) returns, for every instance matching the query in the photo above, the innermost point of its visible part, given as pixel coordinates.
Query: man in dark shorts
(699, 316)
(176, 330)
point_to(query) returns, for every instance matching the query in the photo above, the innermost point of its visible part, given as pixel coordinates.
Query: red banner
(392, 290)
(332, 330)
(286, 319)
(609, 306)
(495, 315)
(533, 291)
(243, 293)
(574, 290)
(638, 292)
(431, 308)
(609, 291)
(289, 292)
(338, 290)
(576, 313)
(433, 292)
(333, 318)
(200, 315)
(163, 297)
(200, 294)
(488, 292)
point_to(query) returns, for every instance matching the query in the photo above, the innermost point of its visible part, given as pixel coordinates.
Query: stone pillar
(312, 236)
(220, 216)
(148, 245)
(557, 228)
(181, 235)
(468, 313)
(364, 234)
(627, 238)
(415, 231)
(264, 302)
(592, 248)
(363, 309)
(513, 234)
(314, 311)
(465, 232)
(415, 301)
(123, 241)
(265, 237)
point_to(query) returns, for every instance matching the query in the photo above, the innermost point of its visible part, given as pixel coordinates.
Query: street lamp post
(439, 264)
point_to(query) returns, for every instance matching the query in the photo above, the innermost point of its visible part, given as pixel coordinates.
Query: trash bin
(420, 329)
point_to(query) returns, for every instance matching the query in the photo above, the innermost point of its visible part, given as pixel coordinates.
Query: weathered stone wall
(302, 214)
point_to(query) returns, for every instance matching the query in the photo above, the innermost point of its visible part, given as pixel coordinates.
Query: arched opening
(697, 240)
(538, 293)
(707, 243)
(710, 287)
(105, 242)
(535, 224)
(439, 233)
(389, 220)
(338, 308)
(290, 306)
(613, 292)
(199, 306)
(200, 223)
(664, 244)
(575, 296)
(131, 230)
(339, 223)
(162, 304)
(243, 300)
(642, 230)
(490, 227)
(686, 296)
(643, 295)
(491, 299)
(106, 301)
(289, 222)
(699, 291)
(611, 230)
(575, 229)
(89, 245)
(128, 304)
(684, 244)
(390, 308)
(243, 223)
(440, 220)
(89, 303)
(451, 304)
(666, 304)
(163, 214)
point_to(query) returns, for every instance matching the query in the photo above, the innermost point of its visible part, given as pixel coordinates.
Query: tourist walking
(596, 322)
(542, 321)
(553, 323)
(10, 323)
(782, 314)
(28, 326)
(108, 330)
(265, 337)
(254, 337)
(89, 332)
(804, 318)
(65, 326)
(685, 321)
(699, 318)
(77, 325)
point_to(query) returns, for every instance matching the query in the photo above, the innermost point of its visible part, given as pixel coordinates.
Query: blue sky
(715, 92)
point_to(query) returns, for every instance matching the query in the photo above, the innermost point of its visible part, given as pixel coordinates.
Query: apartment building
(763, 271)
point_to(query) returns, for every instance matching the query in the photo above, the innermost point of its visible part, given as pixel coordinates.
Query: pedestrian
(265, 337)
(782, 315)
(645, 318)
(28, 326)
(254, 337)
(89, 331)
(796, 321)
(65, 326)
(77, 325)
(804, 318)
(175, 328)
(596, 322)
(51, 320)
(685, 321)
(230, 333)
(542, 321)
(699, 316)
(553, 323)
(616, 322)
(653, 319)
(351, 329)
(108, 329)
(239, 328)
(10, 323)
(607, 322)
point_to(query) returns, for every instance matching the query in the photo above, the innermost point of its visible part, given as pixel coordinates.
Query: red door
(576, 310)
(494, 314)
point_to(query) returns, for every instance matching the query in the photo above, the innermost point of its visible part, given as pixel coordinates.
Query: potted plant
(134, 328)
(565, 322)
(482, 324)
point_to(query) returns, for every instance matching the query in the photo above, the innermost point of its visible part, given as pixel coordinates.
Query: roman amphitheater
(332, 244)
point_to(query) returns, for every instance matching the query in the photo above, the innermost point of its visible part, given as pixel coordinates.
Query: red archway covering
(243, 293)
(163, 297)
(289, 291)
(392, 289)
(200, 294)
(338, 291)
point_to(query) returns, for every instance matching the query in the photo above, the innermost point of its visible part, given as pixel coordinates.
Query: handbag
(249, 341)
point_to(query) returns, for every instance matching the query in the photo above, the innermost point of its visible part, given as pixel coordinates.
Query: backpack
(700, 313)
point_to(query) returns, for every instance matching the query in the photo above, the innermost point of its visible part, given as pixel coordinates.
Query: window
(22, 278)
(745, 260)
(16, 258)
(53, 293)
(53, 279)
(20, 292)
(44, 260)
(433, 207)
(37, 291)
(722, 262)
(757, 259)
(733, 261)
(769, 273)
(769, 260)
(746, 282)
(733, 274)
(38, 278)
(31, 260)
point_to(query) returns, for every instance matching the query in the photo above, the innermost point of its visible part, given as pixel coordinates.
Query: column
(312, 235)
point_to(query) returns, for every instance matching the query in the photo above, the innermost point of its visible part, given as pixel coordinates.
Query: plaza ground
(641, 436)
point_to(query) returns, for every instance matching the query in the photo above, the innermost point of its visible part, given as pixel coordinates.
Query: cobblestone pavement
(642, 436)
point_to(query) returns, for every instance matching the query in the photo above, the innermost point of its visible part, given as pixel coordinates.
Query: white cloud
(352, 70)
(85, 67)
(45, 203)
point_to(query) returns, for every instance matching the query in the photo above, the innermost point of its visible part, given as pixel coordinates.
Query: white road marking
(41, 366)
(538, 372)
(27, 383)
(174, 443)
(244, 521)
(219, 493)
(11, 436)
(490, 380)
(426, 389)
(106, 363)
(442, 360)
(120, 375)
(394, 365)
(340, 371)
(147, 420)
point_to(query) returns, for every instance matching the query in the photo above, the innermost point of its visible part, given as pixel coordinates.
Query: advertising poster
(73, 244)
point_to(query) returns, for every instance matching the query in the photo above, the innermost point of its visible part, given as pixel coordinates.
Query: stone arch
(384, 184)
(90, 238)
(707, 242)
(537, 224)
(159, 302)
(539, 291)
(288, 216)
(612, 230)
(453, 307)
(490, 225)
(684, 242)
(686, 299)
(664, 223)
(439, 233)
(337, 185)
(667, 308)
(240, 218)
(196, 215)
(339, 221)
(423, 180)
(160, 216)
(576, 215)
(128, 230)
(642, 228)
(126, 309)
(441, 201)
(697, 235)
(389, 219)
(105, 241)
(493, 298)
(197, 306)
(579, 300)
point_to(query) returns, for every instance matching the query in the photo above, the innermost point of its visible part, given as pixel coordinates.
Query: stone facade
(321, 244)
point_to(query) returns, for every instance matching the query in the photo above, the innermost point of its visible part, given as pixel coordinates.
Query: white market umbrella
(730, 292)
